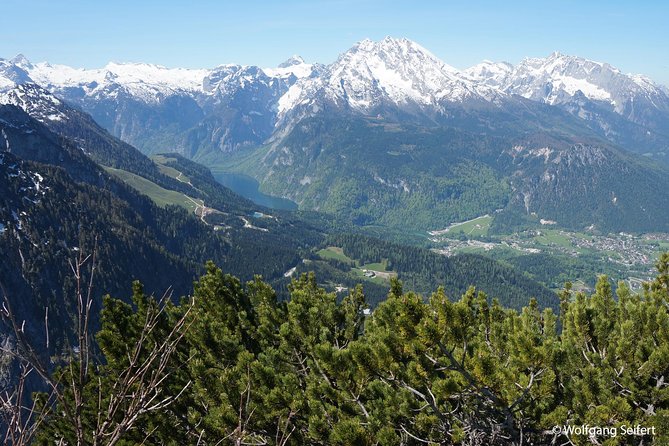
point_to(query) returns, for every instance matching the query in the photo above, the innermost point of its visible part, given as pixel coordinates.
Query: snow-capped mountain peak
(583, 87)
(292, 61)
(295, 67)
(396, 72)
(490, 73)
(400, 50)
(559, 77)
(147, 82)
(11, 75)
(225, 79)
(21, 61)
(401, 69)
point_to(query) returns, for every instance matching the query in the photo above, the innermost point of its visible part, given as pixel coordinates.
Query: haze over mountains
(388, 134)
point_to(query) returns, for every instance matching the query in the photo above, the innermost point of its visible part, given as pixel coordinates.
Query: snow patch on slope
(34, 100)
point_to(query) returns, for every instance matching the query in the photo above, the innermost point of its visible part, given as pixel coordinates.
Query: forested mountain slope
(58, 204)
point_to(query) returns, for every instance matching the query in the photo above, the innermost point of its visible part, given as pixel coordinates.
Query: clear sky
(631, 35)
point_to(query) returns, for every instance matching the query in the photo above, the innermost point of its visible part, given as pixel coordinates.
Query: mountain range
(390, 135)
(232, 106)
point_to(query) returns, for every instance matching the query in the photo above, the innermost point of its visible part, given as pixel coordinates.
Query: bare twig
(136, 390)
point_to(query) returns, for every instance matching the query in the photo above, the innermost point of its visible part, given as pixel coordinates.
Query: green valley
(161, 196)
(553, 255)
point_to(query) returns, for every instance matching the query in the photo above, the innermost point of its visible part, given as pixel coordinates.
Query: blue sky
(634, 36)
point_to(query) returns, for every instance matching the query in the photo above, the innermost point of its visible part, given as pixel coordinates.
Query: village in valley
(629, 257)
